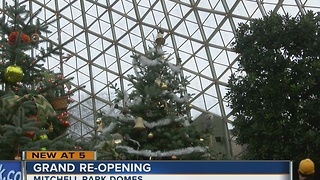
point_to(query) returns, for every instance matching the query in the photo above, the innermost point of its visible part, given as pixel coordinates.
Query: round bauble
(164, 86)
(43, 137)
(30, 134)
(35, 37)
(98, 121)
(150, 135)
(118, 138)
(174, 157)
(17, 157)
(43, 149)
(13, 74)
(66, 124)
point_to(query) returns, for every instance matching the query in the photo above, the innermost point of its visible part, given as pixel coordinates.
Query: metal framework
(98, 37)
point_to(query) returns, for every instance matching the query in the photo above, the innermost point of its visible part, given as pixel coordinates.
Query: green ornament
(43, 149)
(43, 137)
(13, 74)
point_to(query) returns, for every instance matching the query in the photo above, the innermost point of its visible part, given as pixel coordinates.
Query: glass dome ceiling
(97, 38)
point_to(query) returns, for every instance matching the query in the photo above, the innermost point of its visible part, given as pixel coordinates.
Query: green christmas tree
(151, 120)
(33, 114)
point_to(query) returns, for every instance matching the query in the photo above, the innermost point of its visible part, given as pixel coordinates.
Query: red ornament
(25, 38)
(66, 123)
(13, 36)
(30, 134)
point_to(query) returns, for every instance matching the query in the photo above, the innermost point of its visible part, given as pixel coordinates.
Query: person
(306, 169)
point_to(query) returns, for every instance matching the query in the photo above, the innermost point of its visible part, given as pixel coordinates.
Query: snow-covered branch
(176, 152)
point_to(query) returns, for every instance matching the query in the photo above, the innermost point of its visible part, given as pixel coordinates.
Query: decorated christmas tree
(151, 119)
(34, 100)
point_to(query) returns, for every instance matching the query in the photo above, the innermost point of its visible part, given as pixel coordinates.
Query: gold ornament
(150, 135)
(43, 137)
(139, 123)
(13, 74)
(101, 126)
(98, 121)
(50, 128)
(174, 157)
(189, 106)
(17, 157)
(117, 138)
(35, 37)
(164, 86)
(161, 84)
(158, 82)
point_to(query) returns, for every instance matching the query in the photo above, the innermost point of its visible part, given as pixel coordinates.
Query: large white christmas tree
(151, 120)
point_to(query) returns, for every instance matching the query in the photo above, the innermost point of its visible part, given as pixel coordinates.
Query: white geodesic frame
(97, 38)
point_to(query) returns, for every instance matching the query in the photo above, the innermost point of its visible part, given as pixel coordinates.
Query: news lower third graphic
(59, 155)
(157, 170)
(10, 170)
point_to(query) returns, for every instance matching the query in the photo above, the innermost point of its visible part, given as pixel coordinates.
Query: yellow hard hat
(306, 167)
